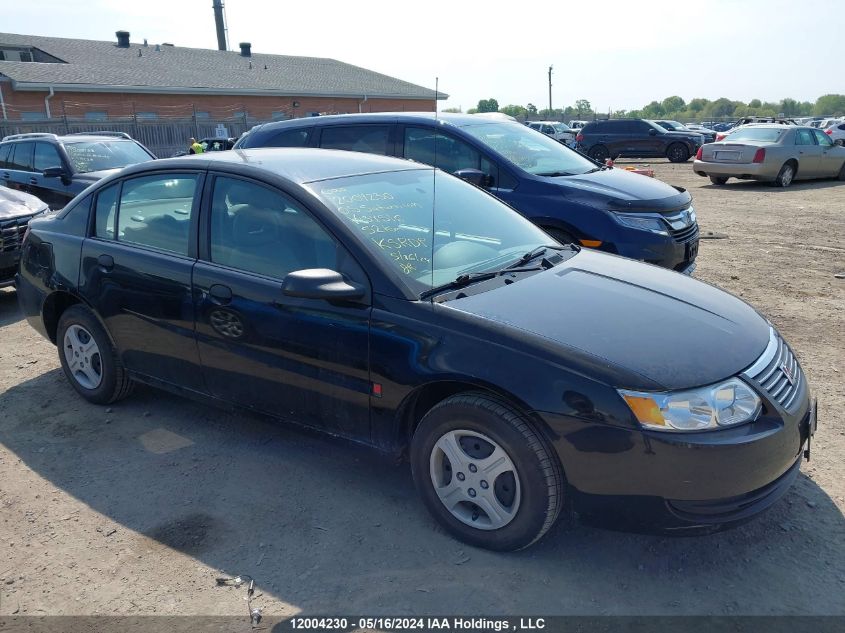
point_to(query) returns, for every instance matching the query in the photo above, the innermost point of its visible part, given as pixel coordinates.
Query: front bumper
(743, 171)
(8, 267)
(661, 251)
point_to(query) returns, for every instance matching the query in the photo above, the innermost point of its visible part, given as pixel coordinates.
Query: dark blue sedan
(398, 306)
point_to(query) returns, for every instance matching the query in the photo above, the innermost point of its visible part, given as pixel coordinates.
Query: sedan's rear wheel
(677, 153)
(89, 360)
(785, 175)
(718, 180)
(842, 172)
(485, 474)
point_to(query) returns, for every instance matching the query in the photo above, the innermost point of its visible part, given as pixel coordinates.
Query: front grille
(683, 226)
(11, 233)
(686, 235)
(777, 372)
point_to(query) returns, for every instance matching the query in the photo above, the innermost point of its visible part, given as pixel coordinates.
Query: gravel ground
(135, 509)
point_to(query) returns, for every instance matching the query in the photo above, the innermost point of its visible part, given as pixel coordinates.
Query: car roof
(448, 118)
(296, 164)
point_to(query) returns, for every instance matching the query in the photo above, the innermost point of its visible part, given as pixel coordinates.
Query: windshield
(96, 155)
(660, 128)
(561, 127)
(673, 125)
(394, 214)
(766, 134)
(535, 153)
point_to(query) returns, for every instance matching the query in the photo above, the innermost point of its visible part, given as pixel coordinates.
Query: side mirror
(652, 131)
(474, 176)
(320, 283)
(54, 172)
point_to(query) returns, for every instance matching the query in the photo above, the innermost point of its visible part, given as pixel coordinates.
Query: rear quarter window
(371, 139)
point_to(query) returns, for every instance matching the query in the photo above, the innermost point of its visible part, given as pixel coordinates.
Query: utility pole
(550, 90)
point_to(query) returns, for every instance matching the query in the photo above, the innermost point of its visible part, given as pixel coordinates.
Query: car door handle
(6, 175)
(220, 294)
(106, 262)
(33, 181)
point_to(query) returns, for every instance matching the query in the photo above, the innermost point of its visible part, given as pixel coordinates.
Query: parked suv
(636, 138)
(571, 197)
(16, 210)
(56, 168)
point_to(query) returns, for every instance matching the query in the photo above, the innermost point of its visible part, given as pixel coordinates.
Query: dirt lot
(135, 509)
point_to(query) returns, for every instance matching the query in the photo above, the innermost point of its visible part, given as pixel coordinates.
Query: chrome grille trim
(768, 371)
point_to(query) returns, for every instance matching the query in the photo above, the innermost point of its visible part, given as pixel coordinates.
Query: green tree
(517, 111)
(583, 107)
(532, 109)
(453, 110)
(673, 105)
(789, 107)
(653, 110)
(755, 104)
(721, 107)
(830, 104)
(488, 105)
(698, 104)
(472, 111)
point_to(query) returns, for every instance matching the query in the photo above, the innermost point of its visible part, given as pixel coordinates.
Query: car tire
(480, 432)
(842, 172)
(561, 236)
(718, 180)
(786, 175)
(89, 360)
(677, 153)
(599, 153)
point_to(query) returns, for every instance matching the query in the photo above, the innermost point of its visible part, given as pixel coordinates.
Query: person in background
(194, 147)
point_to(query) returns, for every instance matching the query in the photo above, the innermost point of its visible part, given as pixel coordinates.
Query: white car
(577, 125)
(836, 131)
(557, 130)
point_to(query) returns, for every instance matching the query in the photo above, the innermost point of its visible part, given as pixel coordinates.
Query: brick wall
(77, 104)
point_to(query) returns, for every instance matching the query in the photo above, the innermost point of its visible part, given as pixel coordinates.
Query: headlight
(724, 404)
(643, 222)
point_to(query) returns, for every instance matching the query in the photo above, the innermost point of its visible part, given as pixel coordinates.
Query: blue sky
(616, 54)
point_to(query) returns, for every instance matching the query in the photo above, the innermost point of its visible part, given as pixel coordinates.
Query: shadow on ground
(322, 524)
(9, 310)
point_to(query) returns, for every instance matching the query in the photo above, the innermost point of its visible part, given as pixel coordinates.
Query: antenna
(434, 176)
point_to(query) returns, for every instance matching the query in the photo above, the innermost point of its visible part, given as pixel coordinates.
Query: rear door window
(155, 211)
(290, 138)
(371, 139)
(804, 137)
(21, 157)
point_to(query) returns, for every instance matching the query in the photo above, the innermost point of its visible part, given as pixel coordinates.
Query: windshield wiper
(554, 173)
(468, 278)
(536, 252)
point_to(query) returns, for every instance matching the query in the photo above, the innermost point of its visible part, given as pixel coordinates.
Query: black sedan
(395, 305)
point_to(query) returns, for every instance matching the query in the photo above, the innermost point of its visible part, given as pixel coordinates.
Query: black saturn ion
(395, 305)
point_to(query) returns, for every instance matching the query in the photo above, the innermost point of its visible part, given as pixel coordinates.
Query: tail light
(829, 131)
(720, 136)
(698, 153)
(579, 138)
(759, 156)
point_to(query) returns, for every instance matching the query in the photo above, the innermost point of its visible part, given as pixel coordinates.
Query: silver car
(773, 153)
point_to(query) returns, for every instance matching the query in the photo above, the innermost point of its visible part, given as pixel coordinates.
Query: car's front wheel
(89, 359)
(485, 474)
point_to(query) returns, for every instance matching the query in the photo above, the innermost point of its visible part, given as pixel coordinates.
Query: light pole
(550, 90)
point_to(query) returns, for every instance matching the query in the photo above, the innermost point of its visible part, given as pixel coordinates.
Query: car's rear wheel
(88, 358)
(786, 175)
(599, 153)
(842, 172)
(561, 236)
(677, 153)
(718, 180)
(485, 474)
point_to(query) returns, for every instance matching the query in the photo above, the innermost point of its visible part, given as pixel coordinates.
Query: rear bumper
(745, 171)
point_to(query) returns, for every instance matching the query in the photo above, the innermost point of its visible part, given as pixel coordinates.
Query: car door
(830, 156)
(54, 190)
(136, 272)
(809, 154)
(306, 360)
(642, 142)
(19, 167)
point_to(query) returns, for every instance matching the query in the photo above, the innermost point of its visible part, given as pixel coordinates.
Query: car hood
(623, 191)
(14, 204)
(94, 176)
(652, 328)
